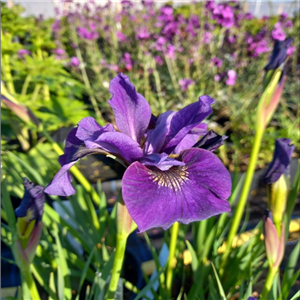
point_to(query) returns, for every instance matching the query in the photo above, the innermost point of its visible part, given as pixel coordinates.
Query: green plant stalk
(7, 74)
(172, 248)
(75, 171)
(25, 85)
(244, 195)
(268, 283)
(27, 277)
(117, 266)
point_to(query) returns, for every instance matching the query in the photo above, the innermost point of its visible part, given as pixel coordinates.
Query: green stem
(27, 277)
(7, 74)
(117, 267)
(173, 241)
(75, 171)
(25, 85)
(268, 283)
(244, 195)
(36, 92)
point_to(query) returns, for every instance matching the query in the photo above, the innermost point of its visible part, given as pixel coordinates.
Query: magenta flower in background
(159, 60)
(290, 50)
(207, 36)
(171, 51)
(231, 77)
(278, 33)
(217, 62)
(166, 179)
(127, 61)
(231, 39)
(74, 62)
(217, 77)
(143, 34)
(185, 83)
(23, 52)
(288, 24)
(281, 160)
(121, 37)
(86, 34)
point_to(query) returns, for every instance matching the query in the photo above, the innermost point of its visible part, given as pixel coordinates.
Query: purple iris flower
(217, 62)
(281, 160)
(185, 83)
(166, 179)
(32, 205)
(279, 54)
(231, 77)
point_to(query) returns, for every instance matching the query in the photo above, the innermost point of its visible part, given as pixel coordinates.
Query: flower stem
(7, 74)
(117, 267)
(172, 248)
(268, 283)
(244, 195)
(27, 277)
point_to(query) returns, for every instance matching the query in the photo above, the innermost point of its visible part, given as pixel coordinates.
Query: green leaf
(221, 291)
(195, 263)
(296, 296)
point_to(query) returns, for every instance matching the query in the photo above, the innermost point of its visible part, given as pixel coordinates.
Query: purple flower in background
(86, 34)
(248, 16)
(161, 41)
(231, 39)
(143, 34)
(283, 16)
(59, 52)
(281, 160)
(217, 62)
(185, 83)
(217, 77)
(259, 47)
(210, 5)
(279, 54)
(166, 180)
(290, 50)
(127, 61)
(56, 25)
(224, 15)
(23, 52)
(252, 298)
(159, 60)
(74, 62)
(171, 51)
(207, 37)
(288, 24)
(278, 33)
(231, 77)
(121, 37)
(114, 68)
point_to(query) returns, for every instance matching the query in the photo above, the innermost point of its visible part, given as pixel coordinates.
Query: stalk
(25, 85)
(7, 74)
(269, 282)
(244, 195)
(117, 267)
(172, 248)
(27, 277)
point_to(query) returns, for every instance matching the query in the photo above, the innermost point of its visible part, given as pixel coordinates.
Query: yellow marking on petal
(172, 178)
(24, 229)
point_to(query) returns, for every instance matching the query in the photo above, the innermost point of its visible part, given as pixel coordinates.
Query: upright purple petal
(193, 192)
(161, 161)
(132, 111)
(185, 120)
(281, 160)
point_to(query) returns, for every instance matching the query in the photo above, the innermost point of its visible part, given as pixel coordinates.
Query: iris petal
(132, 111)
(189, 193)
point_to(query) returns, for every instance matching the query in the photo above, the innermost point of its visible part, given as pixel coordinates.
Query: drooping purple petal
(32, 204)
(281, 160)
(117, 143)
(185, 120)
(211, 141)
(74, 150)
(189, 193)
(132, 111)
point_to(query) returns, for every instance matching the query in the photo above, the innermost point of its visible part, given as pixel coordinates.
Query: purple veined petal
(161, 161)
(156, 137)
(191, 138)
(185, 120)
(74, 150)
(211, 141)
(281, 160)
(89, 129)
(132, 111)
(119, 144)
(189, 193)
